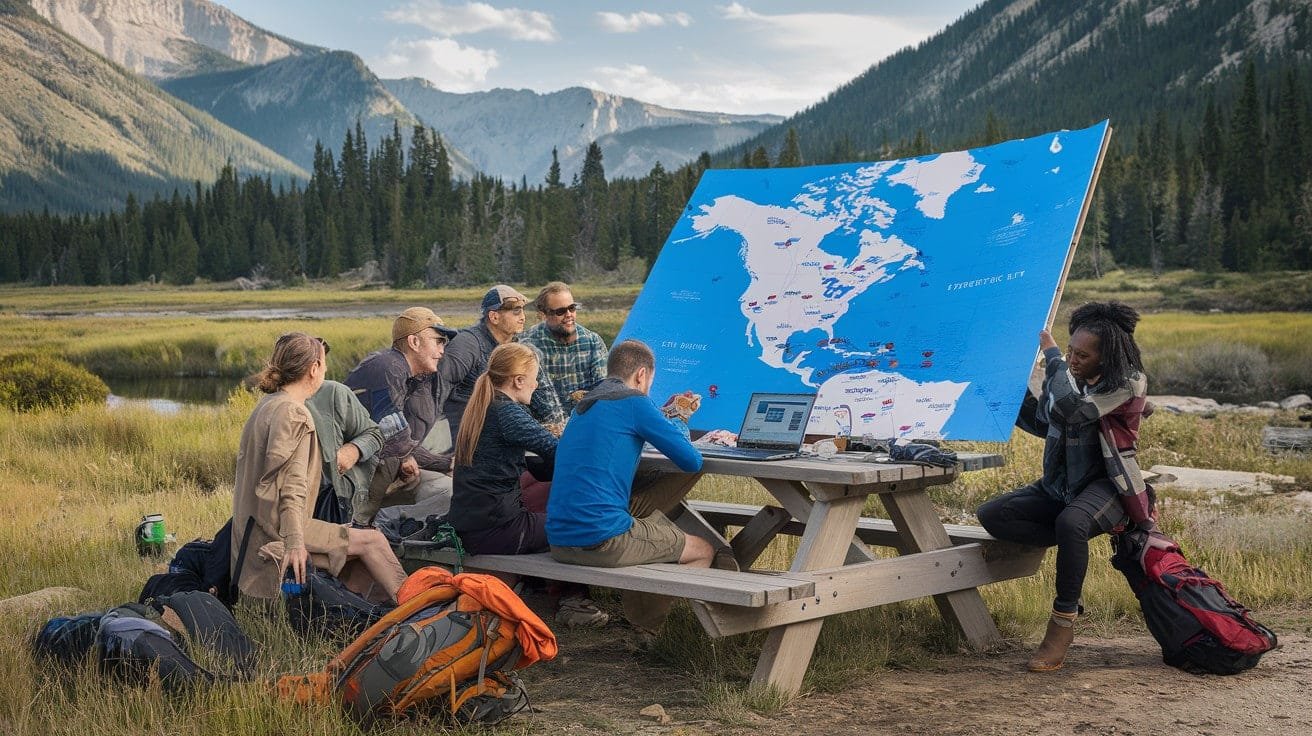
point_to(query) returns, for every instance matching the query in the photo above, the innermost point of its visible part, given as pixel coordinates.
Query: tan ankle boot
(1056, 640)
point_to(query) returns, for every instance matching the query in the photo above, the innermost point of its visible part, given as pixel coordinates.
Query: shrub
(31, 381)
(1082, 266)
(1232, 372)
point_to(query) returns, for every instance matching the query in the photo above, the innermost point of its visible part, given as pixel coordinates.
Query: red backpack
(1198, 625)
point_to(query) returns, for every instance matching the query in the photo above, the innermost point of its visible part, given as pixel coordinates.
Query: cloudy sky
(741, 56)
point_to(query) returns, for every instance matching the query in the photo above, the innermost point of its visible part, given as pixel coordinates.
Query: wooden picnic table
(822, 499)
(833, 571)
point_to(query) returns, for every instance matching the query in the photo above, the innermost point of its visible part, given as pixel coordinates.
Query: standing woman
(278, 474)
(487, 505)
(1088, 413)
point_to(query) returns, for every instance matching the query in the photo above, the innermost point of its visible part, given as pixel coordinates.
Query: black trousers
(1031, 516)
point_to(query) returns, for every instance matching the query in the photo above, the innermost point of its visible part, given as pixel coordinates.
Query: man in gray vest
(466, 359)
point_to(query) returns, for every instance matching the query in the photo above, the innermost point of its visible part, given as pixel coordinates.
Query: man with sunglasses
(572, 355)
(403, 393)
(466, 359)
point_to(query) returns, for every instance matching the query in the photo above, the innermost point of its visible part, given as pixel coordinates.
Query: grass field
(73, 484)
(148, 332)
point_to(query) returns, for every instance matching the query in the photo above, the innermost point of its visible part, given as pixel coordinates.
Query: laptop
(773, 428)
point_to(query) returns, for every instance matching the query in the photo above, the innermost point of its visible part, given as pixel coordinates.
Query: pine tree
(1246, 151)
(592, 247)
(185, 255)
(1289, 147)
(791, 153)
(9, 266)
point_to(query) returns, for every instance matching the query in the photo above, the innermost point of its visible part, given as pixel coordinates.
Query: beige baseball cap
(417, 319)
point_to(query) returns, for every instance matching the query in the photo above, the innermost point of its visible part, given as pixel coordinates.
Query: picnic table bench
(834, 569)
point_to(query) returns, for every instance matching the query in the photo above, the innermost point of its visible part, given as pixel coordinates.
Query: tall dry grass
(74, 482)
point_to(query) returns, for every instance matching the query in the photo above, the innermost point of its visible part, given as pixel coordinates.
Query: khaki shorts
(652, 538)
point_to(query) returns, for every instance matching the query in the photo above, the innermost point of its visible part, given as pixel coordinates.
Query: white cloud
(475, 17)
(876, 35)
(794, 61)
(730, 91)
(449, 65)
(633, 22)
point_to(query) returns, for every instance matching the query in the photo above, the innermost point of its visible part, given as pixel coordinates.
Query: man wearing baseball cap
(402, 391)
(466, 358)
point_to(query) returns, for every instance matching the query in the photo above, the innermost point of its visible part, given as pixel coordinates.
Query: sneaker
(724, 560)
(577, 611)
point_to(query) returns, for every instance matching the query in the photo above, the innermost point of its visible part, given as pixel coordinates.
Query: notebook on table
(772, 429)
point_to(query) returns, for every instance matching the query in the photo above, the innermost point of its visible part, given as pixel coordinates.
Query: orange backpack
(452, 646)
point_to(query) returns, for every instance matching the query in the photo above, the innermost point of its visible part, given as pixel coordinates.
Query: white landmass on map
(797, 287)
(937, 179)
(883, 404)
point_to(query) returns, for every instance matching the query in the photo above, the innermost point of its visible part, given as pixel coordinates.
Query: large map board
(908, 294)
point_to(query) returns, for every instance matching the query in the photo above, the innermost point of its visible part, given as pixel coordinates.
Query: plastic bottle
(291, 588)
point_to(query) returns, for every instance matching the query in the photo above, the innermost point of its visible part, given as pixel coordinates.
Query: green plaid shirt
(577, 366)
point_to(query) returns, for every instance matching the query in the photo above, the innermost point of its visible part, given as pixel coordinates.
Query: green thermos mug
(151, 535)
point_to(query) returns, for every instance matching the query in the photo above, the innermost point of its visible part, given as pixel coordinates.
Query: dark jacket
(466, 359)
(485, 494)
(405, 407)
(1087, 435)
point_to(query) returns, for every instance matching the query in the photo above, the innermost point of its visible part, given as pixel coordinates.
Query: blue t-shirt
(597, 458)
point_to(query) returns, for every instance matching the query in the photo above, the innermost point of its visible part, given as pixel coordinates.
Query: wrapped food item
(682, 406)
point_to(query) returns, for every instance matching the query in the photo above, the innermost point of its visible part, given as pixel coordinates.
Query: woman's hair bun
(1119, 314)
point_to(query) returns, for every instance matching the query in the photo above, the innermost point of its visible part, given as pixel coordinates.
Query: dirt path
(1109, 686)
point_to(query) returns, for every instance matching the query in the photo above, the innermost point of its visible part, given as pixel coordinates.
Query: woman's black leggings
(1031, 516)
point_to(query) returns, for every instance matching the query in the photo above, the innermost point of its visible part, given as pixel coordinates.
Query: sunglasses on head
(562, 311)
(324, 343)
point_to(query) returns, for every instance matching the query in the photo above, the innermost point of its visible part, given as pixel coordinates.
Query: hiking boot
(576, 611)
(1056, 641)
(724, 560)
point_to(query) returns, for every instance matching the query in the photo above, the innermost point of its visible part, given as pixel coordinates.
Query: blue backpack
(67, 640)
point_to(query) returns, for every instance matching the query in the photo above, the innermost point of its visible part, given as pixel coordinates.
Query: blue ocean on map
(908, 294)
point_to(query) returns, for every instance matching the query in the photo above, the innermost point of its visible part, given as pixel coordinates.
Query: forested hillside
(399, 206)
(1209, 101)
(1215, 175)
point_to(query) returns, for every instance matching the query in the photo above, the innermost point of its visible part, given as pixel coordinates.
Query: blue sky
(739, 56)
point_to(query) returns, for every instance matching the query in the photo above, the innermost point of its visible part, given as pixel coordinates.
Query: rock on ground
(1297, 401)
(1230, 481)
(39, 600)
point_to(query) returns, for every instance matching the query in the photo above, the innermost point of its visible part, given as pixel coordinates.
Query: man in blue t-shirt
(588, 519)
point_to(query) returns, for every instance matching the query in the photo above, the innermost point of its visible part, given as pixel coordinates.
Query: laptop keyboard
(746, 453)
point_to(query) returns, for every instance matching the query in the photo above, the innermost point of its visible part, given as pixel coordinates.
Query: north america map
(906, 294)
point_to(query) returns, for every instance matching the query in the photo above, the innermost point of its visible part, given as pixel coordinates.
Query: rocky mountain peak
(167, 38)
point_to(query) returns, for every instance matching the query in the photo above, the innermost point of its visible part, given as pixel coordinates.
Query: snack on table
(682, 406)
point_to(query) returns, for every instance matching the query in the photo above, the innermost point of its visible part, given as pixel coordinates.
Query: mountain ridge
(509, 133)
(77, 132)
(292, 103)
(1021, 59)
(168, 38)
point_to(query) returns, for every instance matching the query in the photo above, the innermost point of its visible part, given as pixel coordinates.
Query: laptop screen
(776, 421)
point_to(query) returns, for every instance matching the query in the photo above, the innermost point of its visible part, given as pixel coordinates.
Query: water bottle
(291, 588)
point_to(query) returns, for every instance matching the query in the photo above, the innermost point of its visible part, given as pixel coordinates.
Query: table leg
(658, 491)
(749, 543)
(797, 501)
(921, 530)
(825, 543)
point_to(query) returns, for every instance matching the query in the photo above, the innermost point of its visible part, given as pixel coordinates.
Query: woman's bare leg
(373, 551)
